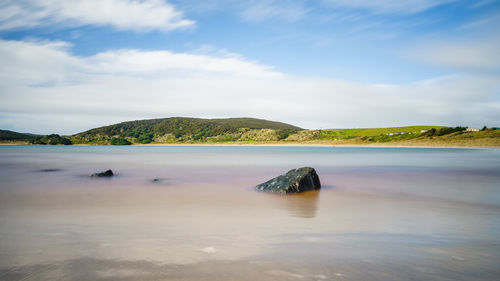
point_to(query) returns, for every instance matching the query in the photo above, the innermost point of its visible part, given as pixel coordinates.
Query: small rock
(107, 173)
(294, 181)
(49, 170)
(161, 181)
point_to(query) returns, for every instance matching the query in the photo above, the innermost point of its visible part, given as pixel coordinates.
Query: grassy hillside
(14, 136)
(375, 134)
(371, 132)
(248, 130)
(179, 129)
(10, 137)
(486, 138)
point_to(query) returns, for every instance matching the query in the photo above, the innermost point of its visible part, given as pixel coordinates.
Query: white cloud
(389, 6)
(135, 15)
(158, 63)
(472, 55)
(49, 62)
(30, 62)
(77, 93)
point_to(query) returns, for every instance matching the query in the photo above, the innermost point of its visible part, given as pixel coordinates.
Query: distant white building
(472, 130)
(423, 131)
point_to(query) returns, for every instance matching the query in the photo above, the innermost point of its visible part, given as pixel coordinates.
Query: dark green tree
(119, 141)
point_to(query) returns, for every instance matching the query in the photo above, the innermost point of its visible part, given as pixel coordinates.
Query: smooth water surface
(382, 214)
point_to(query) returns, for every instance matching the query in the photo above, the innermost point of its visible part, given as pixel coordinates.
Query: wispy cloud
(482, 3)
(122, 14)
(491, 21)
(259, 10)
(77, 93)
(389, 6)
(252, 10)
(473, 55)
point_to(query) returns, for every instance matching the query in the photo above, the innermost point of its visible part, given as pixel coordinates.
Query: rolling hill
(15, 136)
(183, 129)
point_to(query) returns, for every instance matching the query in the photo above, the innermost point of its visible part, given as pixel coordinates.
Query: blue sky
(73, 65)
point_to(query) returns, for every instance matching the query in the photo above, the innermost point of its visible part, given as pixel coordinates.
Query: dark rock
(107, 173)
(161, 181)
(294, 181)
(49, 170)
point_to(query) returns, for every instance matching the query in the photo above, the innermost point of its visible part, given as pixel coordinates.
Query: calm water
(382, 214)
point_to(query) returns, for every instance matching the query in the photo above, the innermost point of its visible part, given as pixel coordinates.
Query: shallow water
(382, 214)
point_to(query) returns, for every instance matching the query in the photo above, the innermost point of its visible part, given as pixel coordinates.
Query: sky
(69, 66)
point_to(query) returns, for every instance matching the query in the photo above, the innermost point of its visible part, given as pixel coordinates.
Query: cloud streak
(259, 10)
(122, 14)
(389, 6)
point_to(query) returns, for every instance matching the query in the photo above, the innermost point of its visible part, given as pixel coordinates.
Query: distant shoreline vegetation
(53, 139)
(178, 130)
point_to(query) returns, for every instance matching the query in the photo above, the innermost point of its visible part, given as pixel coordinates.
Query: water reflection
(197, 220)
(303, 205)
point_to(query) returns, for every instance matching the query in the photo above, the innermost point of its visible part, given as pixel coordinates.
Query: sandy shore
(313, 145)
(292, 145)
(298, 144)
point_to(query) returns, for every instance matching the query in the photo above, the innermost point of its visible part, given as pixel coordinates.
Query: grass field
(369, 132)
(487, 138)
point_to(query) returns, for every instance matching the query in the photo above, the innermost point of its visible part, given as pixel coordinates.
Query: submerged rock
(49, 170)
(294, 181)
(107, 173)
(160, 180)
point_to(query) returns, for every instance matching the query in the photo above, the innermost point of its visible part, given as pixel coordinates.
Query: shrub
(283, 134)
(53, 139)
(119, 141)
(145, 138)
(449, 130)
(430, 133)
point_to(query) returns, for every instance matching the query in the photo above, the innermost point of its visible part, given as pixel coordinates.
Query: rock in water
(107, 173)
(297, 180)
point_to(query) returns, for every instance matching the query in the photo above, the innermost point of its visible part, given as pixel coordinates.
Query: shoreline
(288, 145)
(315, 145)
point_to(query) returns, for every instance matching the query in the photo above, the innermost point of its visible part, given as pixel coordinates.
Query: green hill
(249, 130)
(11, 137)
(181, 129)
(6, 135)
